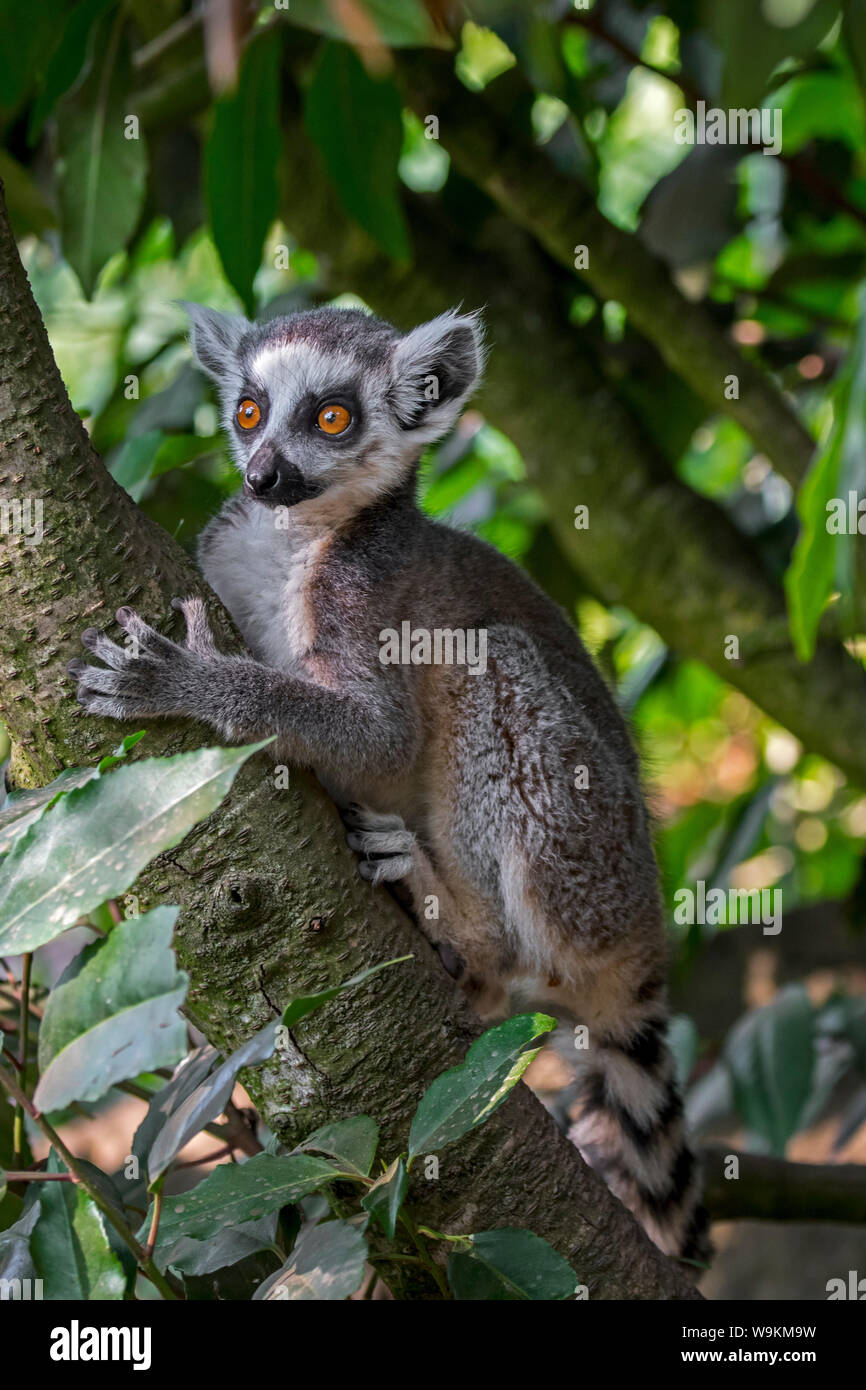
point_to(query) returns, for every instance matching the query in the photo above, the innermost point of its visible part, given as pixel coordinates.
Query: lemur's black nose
(263, 470)
(261, 479)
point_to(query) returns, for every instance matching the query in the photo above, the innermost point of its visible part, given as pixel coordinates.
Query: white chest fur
(262, 574)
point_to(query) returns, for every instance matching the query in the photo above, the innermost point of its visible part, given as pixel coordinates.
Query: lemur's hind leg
(457, 924)
(630, 1126)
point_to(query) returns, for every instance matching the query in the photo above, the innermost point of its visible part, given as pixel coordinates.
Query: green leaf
(100, 836)
(208, 1100)
(356, 122)
(22, 809)
(308, 1003)
(327, 1263)
(179, 449)
(770, 1056)
(397, 23)
(66, 61)
(226, 1247)
(16, 1261)
(824, 560)
(70, 1246)
(188, 1075)
(237, 1192)
(28, 33)
(241, 162)
(113, 1013)
(510, 1264)
(752, 44)
(101, 174)
(468, 1094)
(352, 1142)
(854, 33)
(132, 465)
(386, 1197)
(29, 213)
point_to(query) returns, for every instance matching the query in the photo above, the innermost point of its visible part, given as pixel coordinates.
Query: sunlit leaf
(468, 1094)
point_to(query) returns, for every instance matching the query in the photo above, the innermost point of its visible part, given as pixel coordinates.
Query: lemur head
(334, 402)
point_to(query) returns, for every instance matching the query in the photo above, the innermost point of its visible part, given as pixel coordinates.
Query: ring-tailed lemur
(505, 792)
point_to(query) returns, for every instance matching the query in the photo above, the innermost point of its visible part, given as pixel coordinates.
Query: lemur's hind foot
(384, 842)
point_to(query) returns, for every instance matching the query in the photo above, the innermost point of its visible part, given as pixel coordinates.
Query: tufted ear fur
(215, 338)
(435, 369)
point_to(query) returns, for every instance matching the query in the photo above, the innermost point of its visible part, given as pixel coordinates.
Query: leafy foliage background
(114, 230)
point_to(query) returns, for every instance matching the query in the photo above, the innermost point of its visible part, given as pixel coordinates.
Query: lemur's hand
(150, 675)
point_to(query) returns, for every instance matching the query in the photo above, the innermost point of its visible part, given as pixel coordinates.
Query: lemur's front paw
(387, 846)
(149, 675)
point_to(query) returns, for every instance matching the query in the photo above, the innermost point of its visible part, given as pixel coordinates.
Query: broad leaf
(21, 809)
(386, 1197)
(70, 1245)
(226, 1247)
(100, 836)
(241, 161)
(113, 1013)
(308, 1003)
(188, 1075)
(208, 1100)
(352, 1142)
(237, 1192)
(357, 123)
(101, 173)
(824, 559)
(327, 1263)
(16, 1261)
(67, 60)
(770, 1056)
(133, 463)
(510, 1264)
(397, 23)
(468, 1094)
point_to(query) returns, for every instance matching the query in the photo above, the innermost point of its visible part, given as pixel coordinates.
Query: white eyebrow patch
(289, 370)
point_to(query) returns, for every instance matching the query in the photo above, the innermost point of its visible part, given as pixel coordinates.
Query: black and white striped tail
(631, 1131)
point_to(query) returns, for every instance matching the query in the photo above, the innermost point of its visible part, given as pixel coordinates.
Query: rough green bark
(652, 544)
(272, 904)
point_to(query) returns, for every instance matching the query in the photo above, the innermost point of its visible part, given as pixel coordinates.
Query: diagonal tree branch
(772, 1189)
(478, 132)
(272, 903)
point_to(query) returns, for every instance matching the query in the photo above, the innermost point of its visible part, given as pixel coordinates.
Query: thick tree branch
(254, 877)
(772, 1189)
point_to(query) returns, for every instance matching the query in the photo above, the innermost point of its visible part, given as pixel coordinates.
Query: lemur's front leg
(240, 698)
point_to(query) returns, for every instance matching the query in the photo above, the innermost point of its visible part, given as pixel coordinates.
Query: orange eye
(333, 419)
(248, 415)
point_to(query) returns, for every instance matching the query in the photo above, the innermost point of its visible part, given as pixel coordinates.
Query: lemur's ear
(215, 337)
(434, 369)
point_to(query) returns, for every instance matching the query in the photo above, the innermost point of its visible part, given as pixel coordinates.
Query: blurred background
(676, 337)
